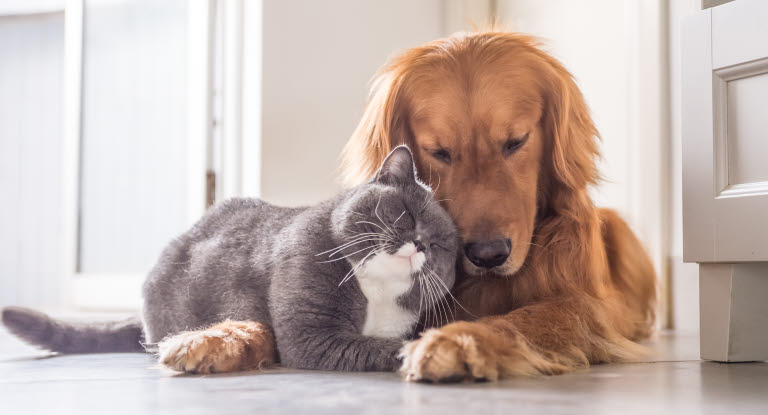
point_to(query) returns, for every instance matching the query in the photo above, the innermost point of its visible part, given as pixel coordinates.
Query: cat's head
(392, 227)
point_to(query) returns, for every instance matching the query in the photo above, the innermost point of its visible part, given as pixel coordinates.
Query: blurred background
(121, 121)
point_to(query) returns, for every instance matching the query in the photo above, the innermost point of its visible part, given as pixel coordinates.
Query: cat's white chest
(383, 279)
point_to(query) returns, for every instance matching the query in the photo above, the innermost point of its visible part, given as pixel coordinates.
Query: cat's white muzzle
(415, 258)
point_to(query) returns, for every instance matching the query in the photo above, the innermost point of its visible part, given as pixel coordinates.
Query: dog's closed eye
(513, 144)
(441, 154)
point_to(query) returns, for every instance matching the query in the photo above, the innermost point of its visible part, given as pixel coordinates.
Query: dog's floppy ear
(384, 124)
(573, 135)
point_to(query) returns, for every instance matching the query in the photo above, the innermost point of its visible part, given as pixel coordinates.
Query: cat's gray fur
(249, 260)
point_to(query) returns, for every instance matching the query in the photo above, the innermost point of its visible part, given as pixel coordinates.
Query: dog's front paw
(226, 347)
(449, 354)
(475, 351)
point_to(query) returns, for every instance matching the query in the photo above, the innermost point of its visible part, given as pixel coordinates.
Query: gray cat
(341, 283)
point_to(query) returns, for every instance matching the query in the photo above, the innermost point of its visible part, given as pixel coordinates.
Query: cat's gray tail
(65, 337)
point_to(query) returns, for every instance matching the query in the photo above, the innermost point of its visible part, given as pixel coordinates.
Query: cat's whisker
(354, 269)
(445, 297)
(437, 201)
(398, 218)
(383, 235)
(338, 250)
(432, 299)
(349, 274)
(427, 307)
(425, 295)
(431, 196)
(421, 292)
(441, 309)
(386, 231)
(346, 256)
(451, 295)
(430, 306)
(442, 306)
(376, 212)
(354, 241)
(344, 245)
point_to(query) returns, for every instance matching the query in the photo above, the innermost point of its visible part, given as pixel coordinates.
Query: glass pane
(133, 154)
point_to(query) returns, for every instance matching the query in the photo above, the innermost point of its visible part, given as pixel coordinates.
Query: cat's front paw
(225, 347)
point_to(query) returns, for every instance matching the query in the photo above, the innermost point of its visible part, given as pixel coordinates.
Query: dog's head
(498, 128)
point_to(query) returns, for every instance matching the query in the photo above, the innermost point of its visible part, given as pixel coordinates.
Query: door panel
(134, 139)
(725, 135)
(746, 130)
(739, 32)
(31, 107)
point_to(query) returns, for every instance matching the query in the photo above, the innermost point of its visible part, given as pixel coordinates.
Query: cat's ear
(397, 167)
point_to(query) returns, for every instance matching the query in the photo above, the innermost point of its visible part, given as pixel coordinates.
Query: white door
(725, 175)
(31, 107)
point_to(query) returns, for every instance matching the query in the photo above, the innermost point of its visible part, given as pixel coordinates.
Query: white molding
(251, 98)
(229, 181)
(720, 79)
(743, 70)
(70, 148)
(239, 161)
(647, 133)
(27, 7)
(199, 96)
(720, 132)
(744, 189)
(708, 4)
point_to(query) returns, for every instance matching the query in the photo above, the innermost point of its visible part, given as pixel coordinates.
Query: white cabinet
(725, 175)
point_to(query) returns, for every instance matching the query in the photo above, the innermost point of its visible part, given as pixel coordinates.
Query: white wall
(596, 55)
(318, 57)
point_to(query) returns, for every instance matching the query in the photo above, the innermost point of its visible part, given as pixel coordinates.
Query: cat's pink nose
(420, 247)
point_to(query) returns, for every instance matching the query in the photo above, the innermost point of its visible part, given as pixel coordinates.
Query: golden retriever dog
(548, 282)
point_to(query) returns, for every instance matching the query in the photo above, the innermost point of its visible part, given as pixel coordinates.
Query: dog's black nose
(488, 254)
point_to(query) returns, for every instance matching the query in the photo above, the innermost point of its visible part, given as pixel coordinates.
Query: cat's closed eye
(404, 222)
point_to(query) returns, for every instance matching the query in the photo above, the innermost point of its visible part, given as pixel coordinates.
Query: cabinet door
(725, 133)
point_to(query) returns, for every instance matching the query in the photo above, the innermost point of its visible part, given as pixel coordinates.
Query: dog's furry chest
(383, 280)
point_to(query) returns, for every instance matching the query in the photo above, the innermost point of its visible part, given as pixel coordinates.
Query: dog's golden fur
(577, 287)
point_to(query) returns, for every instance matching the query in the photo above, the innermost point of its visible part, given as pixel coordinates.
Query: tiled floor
(676, 383)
